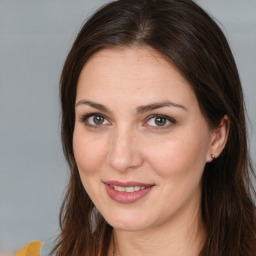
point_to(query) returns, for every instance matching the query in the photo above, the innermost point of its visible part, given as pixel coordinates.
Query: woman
(154, 132)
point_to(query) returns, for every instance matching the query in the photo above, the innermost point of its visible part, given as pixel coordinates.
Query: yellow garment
(31, 249)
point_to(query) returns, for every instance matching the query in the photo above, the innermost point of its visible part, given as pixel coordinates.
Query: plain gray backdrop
(35, 37)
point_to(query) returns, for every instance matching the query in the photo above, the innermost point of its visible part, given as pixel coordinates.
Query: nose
(124, 153)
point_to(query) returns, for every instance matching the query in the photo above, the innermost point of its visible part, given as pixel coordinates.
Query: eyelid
(85, 118)
(168, 118)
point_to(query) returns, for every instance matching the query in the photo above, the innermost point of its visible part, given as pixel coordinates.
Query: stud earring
(213, 156)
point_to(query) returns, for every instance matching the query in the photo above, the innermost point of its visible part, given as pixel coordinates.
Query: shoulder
(31, 249)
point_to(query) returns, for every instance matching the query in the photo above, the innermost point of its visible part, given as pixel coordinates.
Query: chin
(130, 227)
(128, 223)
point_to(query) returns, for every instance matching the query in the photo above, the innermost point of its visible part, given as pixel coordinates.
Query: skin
(130, 145)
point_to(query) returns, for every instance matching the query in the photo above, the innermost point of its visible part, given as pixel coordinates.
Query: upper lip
(127, 184)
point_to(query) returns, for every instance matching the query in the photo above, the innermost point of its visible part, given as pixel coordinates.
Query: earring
(213, 156)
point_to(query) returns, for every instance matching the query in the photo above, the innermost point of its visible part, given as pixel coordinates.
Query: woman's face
(140, 140)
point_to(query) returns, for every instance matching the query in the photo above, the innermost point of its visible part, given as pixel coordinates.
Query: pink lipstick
(127, 192)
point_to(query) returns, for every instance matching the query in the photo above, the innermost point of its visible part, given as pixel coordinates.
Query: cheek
(89, 152)
(178, 155)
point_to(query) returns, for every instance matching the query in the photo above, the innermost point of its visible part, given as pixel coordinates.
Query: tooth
(120, 189)
(129, 189)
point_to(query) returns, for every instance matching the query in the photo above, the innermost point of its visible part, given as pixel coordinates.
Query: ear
(218, 139)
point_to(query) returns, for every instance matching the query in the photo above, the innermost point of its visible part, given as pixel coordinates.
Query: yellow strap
(31, 249)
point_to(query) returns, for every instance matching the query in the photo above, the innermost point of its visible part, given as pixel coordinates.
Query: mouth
(127, 192)
(127, 189)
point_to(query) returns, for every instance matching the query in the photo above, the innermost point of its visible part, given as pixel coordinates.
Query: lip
(127, 197)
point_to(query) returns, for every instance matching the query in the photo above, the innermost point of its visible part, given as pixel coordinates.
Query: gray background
(35, 37)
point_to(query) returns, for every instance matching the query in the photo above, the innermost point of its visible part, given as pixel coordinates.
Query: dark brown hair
(188, 37)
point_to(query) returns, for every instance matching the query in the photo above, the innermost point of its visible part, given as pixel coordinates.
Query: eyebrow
(140, 109)
(157, 105)
(93, 105)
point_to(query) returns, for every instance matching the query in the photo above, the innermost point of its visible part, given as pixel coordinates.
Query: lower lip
(126, 197)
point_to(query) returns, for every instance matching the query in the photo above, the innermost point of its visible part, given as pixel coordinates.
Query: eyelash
(167, 118)
(172, 121)
(85, 118)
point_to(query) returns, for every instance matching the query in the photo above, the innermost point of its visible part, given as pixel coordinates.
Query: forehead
(132, 72)
(130, 61)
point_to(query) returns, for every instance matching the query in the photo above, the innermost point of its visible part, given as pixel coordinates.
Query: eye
(160, 121)
(95, 120)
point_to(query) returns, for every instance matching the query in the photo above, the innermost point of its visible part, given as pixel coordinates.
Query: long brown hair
(188, 37)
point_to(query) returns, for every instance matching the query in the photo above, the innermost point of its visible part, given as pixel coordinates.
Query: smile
(127, 189)
(127, 192)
